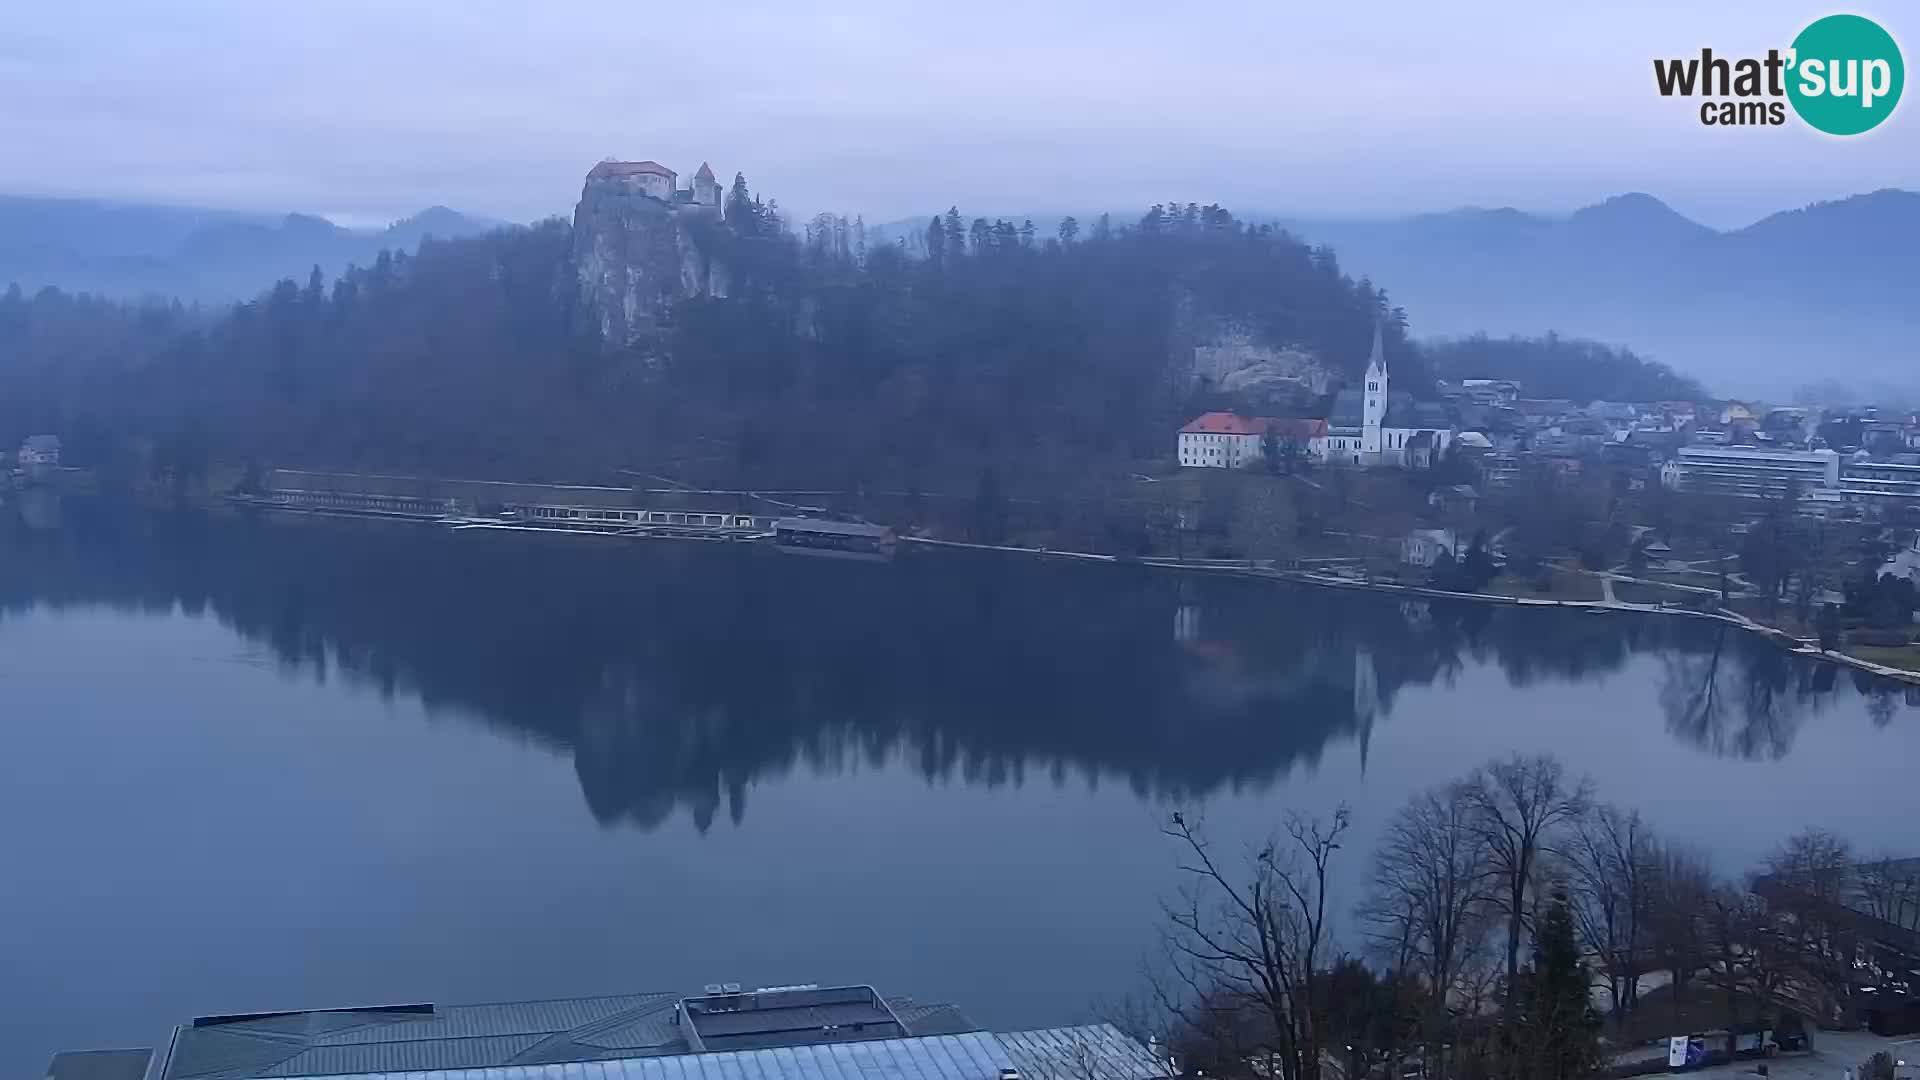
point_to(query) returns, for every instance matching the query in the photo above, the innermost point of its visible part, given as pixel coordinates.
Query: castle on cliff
(642, 244)
(654, 179)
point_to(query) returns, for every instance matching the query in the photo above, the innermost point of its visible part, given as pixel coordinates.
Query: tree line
(831, 363)
(1497, 907)
(1551, 366)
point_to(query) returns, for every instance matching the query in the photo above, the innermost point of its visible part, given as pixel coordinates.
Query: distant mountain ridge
(1822, 292)
(134, 249)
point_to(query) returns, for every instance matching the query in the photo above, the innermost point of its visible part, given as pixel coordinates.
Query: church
(1371, 426)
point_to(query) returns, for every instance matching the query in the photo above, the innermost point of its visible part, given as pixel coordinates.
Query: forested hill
(1558, 367)
(828, 365)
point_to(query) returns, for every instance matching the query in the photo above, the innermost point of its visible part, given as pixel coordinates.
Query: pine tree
(1556, 1035)
(936, 240)
(956, 232)
(1069, 229)
(740, 211)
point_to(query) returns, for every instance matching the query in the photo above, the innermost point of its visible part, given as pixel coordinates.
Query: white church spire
(1374, 400)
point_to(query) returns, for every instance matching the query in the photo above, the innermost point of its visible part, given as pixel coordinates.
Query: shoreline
(1241, 568)
(1251, 569)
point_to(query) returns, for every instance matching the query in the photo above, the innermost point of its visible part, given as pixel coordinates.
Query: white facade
(1218, 450)
(1423, 547)
(1374, 443)
(1751, 472)
(1374, 404)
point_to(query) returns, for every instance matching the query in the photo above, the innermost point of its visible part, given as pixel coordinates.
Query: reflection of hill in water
(678, 674)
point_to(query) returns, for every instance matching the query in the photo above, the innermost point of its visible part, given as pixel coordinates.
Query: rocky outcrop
(1234, 361)
(638, 255)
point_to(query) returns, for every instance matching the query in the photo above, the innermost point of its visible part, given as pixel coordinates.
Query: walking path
(1264, 569)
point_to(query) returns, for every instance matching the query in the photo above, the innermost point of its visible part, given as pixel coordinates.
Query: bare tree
(1681, 883)
(1246, 945)
(1809, 882)
(1816, 863)
(1430, 898)
(1611, 859)
(1889, 889)
(1521, 805)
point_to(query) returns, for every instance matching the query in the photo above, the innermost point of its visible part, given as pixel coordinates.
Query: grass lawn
(1906, 657)
(1567, 585)
(1633, 592)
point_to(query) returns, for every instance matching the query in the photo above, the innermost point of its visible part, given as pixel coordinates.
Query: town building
(772, 1033)
(1751, 472)
(1224, 440)
(1424, 547)
(1371, 427)
(40, 452)
(1220, 440)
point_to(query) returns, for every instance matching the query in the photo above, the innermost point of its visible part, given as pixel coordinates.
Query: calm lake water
(256, 764)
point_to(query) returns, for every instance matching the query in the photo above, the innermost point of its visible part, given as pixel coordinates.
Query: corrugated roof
(1095, 1052)
(448, 1037)
(476, 1051)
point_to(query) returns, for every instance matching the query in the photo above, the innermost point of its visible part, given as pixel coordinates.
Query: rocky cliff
(638, 255)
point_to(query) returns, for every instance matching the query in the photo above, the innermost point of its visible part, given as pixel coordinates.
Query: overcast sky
(367, 110)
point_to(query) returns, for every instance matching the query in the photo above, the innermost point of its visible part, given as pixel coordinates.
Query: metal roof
(1093, 1052)
(99, 1065)
(398, 1040)
(345, 1041)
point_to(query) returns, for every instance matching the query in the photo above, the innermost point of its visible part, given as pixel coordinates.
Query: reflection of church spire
(1366, 699)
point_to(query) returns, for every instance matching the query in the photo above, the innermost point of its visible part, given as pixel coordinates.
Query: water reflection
(678, 676)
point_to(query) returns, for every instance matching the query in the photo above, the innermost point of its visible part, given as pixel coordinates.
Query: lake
(257, 764)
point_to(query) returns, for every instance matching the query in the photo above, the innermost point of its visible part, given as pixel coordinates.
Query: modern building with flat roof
(1749, 471)
(771, 1033)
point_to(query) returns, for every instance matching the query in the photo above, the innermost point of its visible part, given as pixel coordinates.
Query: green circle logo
(1846, 74)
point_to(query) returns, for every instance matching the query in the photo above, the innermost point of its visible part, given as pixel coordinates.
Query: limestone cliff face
(638, 255)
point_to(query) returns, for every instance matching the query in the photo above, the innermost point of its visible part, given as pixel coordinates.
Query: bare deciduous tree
(1245, 946)
(1676, 933)
(1611, 859)
(1890, 889)
(1521, 805)
(1430, 898)
(1809, 882)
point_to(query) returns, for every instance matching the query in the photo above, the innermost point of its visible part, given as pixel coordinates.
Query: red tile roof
(1226, 423)
(1296, 427)
(1222, 423)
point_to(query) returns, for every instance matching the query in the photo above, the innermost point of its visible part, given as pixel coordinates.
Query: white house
(1423, 547)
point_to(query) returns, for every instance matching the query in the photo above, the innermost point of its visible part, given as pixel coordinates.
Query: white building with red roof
(1224, 440)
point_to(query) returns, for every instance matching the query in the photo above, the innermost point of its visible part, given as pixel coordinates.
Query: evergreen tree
(979, 235)
(740, 211)
(1556, 1035)
(936, 241)
(1069, 229)
(956, 232)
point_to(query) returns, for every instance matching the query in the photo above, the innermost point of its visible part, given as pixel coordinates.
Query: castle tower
(706, 189)
(1374, 404)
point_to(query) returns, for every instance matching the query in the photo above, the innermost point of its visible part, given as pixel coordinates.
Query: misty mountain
(1823, 292)
(133, 250)
(1819, 294)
